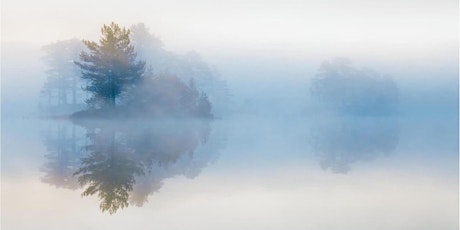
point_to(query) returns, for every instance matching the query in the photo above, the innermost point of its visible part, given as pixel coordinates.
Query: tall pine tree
(110, 66)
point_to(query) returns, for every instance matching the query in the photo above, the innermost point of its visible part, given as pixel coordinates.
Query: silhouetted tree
(110, 67)
(63, 79)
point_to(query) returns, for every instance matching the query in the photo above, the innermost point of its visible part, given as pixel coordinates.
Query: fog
(237, 115)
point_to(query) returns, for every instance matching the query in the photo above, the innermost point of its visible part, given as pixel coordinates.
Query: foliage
(167, 95)
(110, 67)
(63, 81)
(121, 87)
(186, 67)
(348, 90)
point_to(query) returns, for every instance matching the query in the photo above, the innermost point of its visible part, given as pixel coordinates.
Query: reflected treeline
(124, 163)
(362, 108)
(63, 142)
(342, 141)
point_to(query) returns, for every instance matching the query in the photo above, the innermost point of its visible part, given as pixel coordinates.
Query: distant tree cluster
(347, 90)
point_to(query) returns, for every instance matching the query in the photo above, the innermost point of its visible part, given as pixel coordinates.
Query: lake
(242, 172)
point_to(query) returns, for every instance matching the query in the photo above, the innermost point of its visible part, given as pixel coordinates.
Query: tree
(110, 66)
(167, 95)
(63, 76)
(350, 91)
(184, 66)
(148, 46)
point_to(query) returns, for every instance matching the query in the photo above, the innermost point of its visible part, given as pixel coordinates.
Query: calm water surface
(240, 173)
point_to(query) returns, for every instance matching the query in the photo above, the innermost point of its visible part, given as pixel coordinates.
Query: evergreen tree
(110, 66)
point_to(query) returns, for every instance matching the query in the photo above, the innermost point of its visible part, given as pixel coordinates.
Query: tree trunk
(74, 90)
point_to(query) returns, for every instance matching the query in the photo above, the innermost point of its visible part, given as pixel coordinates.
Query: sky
(386, 29)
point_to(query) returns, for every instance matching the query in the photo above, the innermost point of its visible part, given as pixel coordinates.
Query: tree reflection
(63, 143)
(342, 141)
(124, 163)
(109, 171)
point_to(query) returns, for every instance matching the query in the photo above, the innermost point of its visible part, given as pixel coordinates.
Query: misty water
(239, 173)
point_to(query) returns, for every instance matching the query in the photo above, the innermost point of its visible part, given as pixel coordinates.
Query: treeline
(341, 88)
(128, 73)
(62, 91)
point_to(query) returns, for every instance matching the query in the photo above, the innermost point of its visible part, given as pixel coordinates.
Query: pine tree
(110, 67)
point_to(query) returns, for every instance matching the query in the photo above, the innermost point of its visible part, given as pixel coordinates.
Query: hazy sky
(226, 26)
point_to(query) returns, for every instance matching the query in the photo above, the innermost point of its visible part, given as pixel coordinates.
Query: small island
(138, 124)
(127, 74)
(121, 87)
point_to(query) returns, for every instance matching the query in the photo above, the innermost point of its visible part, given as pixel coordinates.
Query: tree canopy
(110, 66)
(183, 66)
(348, 90)
(120, 86)
(62, 89)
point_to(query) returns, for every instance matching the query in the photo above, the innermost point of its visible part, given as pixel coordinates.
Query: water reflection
(63, 144)
(123, 163)
(342, 141)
